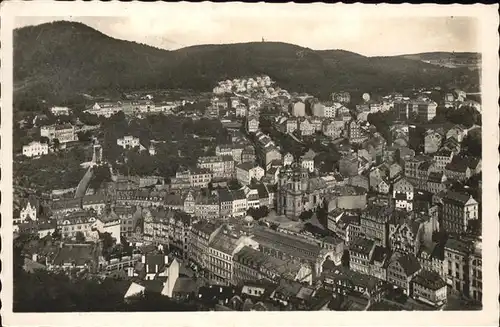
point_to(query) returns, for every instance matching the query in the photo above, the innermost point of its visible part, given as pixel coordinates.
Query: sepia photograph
(250, 157)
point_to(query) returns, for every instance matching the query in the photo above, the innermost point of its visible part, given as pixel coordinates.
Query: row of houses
(109, 108)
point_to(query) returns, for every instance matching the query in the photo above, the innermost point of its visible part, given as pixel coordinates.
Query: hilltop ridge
(59, 59)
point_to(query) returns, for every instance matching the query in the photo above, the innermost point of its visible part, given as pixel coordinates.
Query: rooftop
(362, 245)
(430, 280)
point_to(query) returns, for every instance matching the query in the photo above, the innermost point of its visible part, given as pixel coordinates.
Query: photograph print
(227, 161)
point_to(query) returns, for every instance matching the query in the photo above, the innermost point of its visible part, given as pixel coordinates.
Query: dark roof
(459, 245)
(458, 164)
(429, 279)
(409, 263)
(362, 245)
(153, 260)
(456, 197)
(155, 285)
(443, 153)
(238, 195)
(225, 195)
(380, 254)
(185, 285)
(424, 165)
(435, 176)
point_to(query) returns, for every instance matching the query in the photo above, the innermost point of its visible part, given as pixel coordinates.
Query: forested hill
(57, 60)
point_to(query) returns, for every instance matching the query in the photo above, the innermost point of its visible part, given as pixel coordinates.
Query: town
(254, 197)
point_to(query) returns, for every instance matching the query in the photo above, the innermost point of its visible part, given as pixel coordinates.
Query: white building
(307, 160)
(35, 149)
(30, 210)
(64, 133)
(240, 204)
(109, 224)
(129, 142)
(60, 111)
(247, 171)
(288, 159)
(105, 109)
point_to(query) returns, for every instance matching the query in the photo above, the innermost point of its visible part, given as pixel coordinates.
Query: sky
(373, 34)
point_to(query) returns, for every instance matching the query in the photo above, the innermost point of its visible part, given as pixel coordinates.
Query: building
(401, 270)
(307, 160)
(342, 97)
(374, 223)
(251, 265)
(458, 169)
(406, 234)
(109, 224)
(247, 171)
(354, 132)
(192, 178)
(343, 281)
(306, 127)
(288, 159)
(200, 235)
(240, 203)
(441, 159)
(248, 154)
(349, 165)
(298, 109)
(430, 288)
(402, 194)
(411, 165)
(128, 216)
(222, 249)
(424, 109)
(333, 128)
(60, 111)
(226, 203)
(32, 210)
(288, 247)
(105, 109)
(96, 202)
(220, 166)
(360, 253)
(252, 124)
(297, 192)
(457, 211)
(35, 149)
(476, 272)
(75, 222)
(64, 133)
(234, 150)
(207, 207)
(432, 141)
(457, 132)
(463, 267)
(129, 142)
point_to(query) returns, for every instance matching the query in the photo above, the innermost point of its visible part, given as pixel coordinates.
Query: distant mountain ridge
(57, 60)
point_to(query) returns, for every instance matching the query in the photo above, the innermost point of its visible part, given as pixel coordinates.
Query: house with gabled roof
(402, 269)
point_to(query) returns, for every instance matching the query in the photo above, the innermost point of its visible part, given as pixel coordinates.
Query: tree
(84, 136)
(233, 185)
(306, 215)
(55, 144)
(472, 145)
(57, 235)
(80, 237)
(258, 213)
